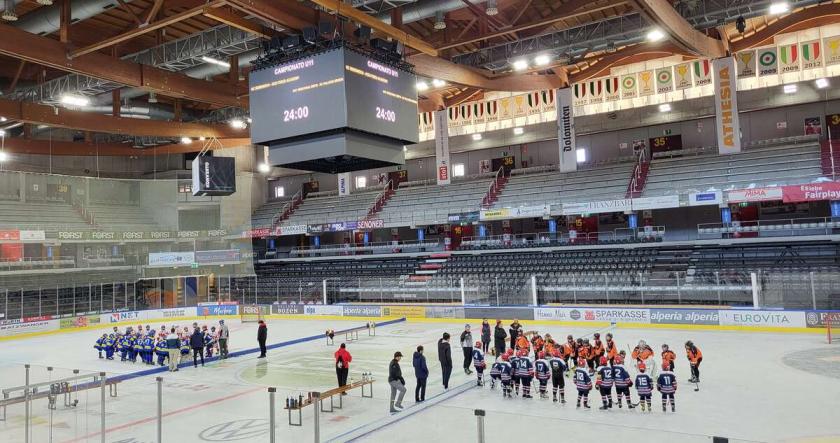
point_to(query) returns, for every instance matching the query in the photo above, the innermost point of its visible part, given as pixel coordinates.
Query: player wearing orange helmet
(644, 387)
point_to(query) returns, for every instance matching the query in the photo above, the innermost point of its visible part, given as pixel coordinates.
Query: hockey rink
(755, 387)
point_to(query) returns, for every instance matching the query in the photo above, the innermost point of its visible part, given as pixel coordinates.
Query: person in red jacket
(342, 365)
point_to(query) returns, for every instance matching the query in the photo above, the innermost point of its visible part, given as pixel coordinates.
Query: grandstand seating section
(124, 217)
(45, 216)
(424, 202)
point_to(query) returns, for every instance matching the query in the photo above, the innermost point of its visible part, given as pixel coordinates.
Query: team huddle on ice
(148, 343)
(545, 359)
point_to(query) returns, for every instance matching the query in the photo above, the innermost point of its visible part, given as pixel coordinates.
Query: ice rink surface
(755, 387)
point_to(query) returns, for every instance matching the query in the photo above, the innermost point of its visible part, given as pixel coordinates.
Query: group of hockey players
(547, 360)
(149, 344)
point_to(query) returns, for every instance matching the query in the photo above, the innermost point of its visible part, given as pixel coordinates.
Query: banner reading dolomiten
(566, 130)
(726, 106)
(442, 148)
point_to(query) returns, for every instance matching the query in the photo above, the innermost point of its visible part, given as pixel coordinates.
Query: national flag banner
(491, 111)
(454, 115)
(811, 54)
(596, 91)
(466, 114)
(682, 76)
(478, 112)
(548, 100)
(427, 121)
(505, 108)
(520, 108)
(832, 50)
(646, 83)
(534, 103)
(664, 80)
(746, 63)
(580, 94)
(611, 88)
(768, 61)
(789, 58)
(628, 86)
(702, 73)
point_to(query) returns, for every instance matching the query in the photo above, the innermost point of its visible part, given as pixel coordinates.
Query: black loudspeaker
(310, 34)
(399, 48)
(292, 41)
(362, 33)
(326, 27)
(382, 45)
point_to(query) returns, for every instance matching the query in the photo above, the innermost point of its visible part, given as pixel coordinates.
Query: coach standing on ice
(397, 382)
(445, 358)
(499, 336)
(342, 365)
(224, 335)
(262, 336)
(467, 347)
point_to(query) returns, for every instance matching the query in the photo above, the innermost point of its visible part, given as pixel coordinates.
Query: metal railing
(636, 175)
(286, 209)
(778, 227)
(378, 201)
(485, 202)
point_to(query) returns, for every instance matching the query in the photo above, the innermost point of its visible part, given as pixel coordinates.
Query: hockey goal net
(250, 313)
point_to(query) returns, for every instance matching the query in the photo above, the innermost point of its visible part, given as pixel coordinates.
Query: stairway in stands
(495, 189)
(830, 158)
(288, 209)
(638, 177)
(426, 269)
(382, 199)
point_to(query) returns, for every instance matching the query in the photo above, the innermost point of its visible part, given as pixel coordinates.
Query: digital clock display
(299, 113)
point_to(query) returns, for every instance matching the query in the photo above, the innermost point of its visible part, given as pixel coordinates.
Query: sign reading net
(334, 111)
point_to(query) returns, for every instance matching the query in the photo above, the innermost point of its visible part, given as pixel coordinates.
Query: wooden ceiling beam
(819, 15)
(379, 26)
(231, 19)
(19, 145)
(289, 14)
(600, 65)
(47, 52)
(149, 27)
(435, 67)
(662, 14)
(124, 6)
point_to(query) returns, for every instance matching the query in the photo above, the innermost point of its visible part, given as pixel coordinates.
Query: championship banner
(478, 112)
(519, 109)
(646, 84)
(746, 63)
(566, 130)
(548, 100)
(442, 148)
(596, 89)
(664, 80)
(580, 94)
(454, 117)
(726, 106)
(534, 103)
(426, 121)
(466, 114)
(682, 76)
(811, 55)
(832, 50)
(702, 73)
(505, 109)
(491, 111)
(789, 58)
(768, 62)
(628, 86)
(343, 184)
(611, 89)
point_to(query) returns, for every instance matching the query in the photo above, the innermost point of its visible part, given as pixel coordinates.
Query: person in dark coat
(515, 329)
(499, 336)
(445, 358)
(421, 371)
(197, 345)
(262, 336)
(485, 336)
(397, 382)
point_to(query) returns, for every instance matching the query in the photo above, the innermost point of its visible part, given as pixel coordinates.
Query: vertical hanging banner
(789, 58)
(768, 62)
(628, 86)
(343, 184)
(746, 63)
(442, 148)
(682, 75)
(832, 47)
(702, 73)
(726, 106)
(566, 130)
(646, 85)
(664, 80)
(811, 55)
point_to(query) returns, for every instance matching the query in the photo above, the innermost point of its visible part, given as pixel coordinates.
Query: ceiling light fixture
(3, 156)
(492, 8)
(238, 124)
(421, 86)
(440, 23)
(520, 65)
(438, 83)
(186, 140)
(75, 100)
(264, 168)
(779, 8)
(655, 35)
(822, 83)
(665, 107)
(542, 60)
(790, 89)
(215, 61)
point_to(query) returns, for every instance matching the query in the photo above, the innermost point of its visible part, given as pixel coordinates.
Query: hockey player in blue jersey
(100, 344)
(149, 348)
(479, 363)
(506, 375)
(558, 369)
(622, 381)
(514, 361)
(185, 345)
(542, 370)
(110, 345)
(525, 371)
(583, 383)
(666, 384)
(161, 351)
(125, 347)
(496, 372)
(605, 383)
(644, 386)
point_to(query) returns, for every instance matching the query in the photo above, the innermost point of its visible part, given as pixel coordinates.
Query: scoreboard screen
(666, 143)
(335, 89)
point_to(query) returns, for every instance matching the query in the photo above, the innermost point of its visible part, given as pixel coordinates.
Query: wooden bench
(331, 394)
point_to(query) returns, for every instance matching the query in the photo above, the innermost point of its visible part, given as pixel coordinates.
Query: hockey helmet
(603, 361)
(642, 367)
(609, 336)
(666, 366)
(597, 335)
(618, 360)
(478, 344)
(522, 353)
(581, 362)
(642, 343)
(505, 357)
(569, 337)
(541, 355)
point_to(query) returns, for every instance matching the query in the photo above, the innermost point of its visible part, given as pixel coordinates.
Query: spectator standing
(197, 345)
(467, 347)
(224, 335)
(262, 336)
(173, 346)
(515, 329)
(421, 371)
(499, 336)
(445, 358)
(485, 336)
(397, 382)
(342, 365)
